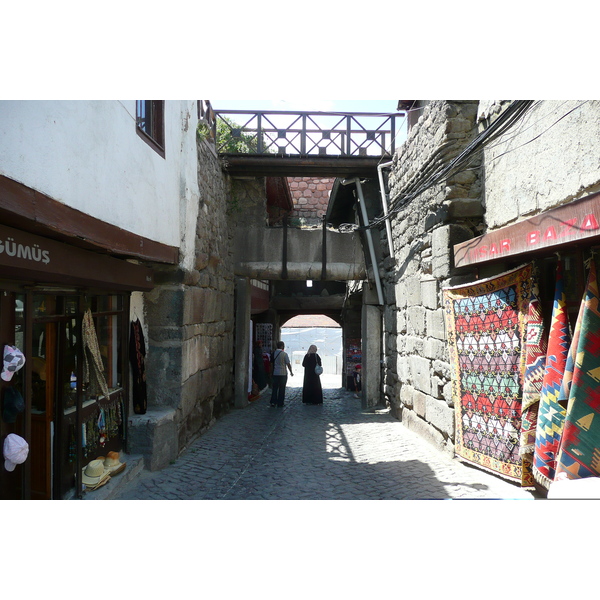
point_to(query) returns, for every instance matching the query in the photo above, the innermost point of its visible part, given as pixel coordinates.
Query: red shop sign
(578, 220)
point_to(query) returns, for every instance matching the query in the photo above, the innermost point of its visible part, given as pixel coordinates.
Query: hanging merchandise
(72, 444)
(536, 344)
(486, 323)
(12, 404)
(13, 361)
(92, 356)
(90, 434)
(102, 437)
(353, 360)
(579, 451)
(137, 358)
(16, 450)
(264, 333)
(551, 415)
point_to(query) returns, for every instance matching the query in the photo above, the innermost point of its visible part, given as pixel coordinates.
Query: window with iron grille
(150, 123)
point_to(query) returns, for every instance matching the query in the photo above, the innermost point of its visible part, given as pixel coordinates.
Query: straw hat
(94, 473)
(112, 463)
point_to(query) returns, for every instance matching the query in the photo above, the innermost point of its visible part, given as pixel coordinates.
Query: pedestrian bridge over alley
(348, 147)
(296, 143)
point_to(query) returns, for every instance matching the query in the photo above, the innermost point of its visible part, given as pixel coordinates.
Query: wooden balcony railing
(293, 133)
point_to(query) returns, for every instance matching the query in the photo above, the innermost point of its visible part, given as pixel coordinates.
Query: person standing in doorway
(357, 380)
(258, 366)
(312, 392)
(281, 363)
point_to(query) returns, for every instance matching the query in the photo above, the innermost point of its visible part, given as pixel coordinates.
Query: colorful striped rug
(551, 415)
(579, 450)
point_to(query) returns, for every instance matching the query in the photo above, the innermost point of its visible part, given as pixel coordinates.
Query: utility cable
(505, 121)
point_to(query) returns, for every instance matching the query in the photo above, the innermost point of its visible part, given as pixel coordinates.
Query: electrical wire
(540, 134)
(503, 123)
(462, 162)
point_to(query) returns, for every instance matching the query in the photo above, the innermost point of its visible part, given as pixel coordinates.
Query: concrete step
(133, 469)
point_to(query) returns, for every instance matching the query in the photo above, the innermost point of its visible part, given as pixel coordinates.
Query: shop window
(84, 418)
(150, 123)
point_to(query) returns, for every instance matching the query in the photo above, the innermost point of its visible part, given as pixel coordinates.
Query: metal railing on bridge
(300, 133)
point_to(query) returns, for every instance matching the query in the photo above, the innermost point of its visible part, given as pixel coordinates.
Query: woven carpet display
(486, 323)
(551, 415)
(535, 362)
(579, 451)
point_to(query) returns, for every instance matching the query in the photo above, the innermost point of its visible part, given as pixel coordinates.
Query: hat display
(16, 450)
(13, 361)
(94, 473)
(113, 464)
(12, 405)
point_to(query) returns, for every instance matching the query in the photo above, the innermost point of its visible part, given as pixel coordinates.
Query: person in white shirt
(281, 363)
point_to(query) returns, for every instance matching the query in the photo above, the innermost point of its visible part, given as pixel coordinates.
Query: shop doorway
(75, 410)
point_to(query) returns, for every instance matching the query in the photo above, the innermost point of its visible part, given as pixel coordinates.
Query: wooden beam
(29, 210)
(299, 166)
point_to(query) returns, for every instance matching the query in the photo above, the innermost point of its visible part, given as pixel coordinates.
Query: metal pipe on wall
(388, 227)
(363, 209)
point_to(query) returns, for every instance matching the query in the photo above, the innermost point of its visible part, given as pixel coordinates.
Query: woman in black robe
(312, 392)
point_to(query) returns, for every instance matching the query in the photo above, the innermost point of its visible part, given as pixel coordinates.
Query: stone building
(124, 212)
(190, 319)
(116, 211)
(416, 371)
(519, 196)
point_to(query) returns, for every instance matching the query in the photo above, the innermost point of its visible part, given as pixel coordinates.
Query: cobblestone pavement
(331, 452)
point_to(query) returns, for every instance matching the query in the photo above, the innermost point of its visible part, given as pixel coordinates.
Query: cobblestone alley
(335, 451)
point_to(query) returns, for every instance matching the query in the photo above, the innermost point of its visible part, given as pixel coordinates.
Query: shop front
(523, 345)
(65, 310)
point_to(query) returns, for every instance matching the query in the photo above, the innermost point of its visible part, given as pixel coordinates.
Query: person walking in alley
(312, 392)
(281, 362)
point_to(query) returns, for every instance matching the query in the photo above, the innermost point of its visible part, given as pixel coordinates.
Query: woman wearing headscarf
(312, 392)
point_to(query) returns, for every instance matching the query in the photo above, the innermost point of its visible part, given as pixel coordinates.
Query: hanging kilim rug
(551, 415)
(535, 361)
(486, 323)
(579, 451)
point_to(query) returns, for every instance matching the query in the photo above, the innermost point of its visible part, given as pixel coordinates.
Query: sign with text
(561, 226)
(28, 257)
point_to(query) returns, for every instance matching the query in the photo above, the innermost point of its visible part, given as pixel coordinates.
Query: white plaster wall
(87, 155)
(539, 173)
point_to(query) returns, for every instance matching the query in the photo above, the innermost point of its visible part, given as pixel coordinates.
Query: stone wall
(549, 158)
(310, 196)
(190, 318)
(416, 377)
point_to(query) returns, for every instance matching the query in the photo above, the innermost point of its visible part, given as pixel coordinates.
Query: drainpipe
(363, 209)
(388, 227)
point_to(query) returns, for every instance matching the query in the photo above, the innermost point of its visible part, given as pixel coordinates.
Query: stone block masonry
(416, 368)
(190, 316)
(310, 196)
